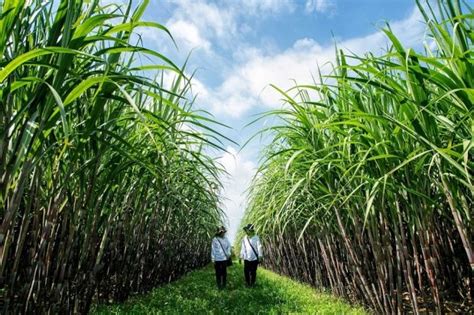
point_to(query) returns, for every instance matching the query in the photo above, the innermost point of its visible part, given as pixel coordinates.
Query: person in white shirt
(251, 252)
(220, 255)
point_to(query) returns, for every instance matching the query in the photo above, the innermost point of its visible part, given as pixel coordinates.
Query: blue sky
(239, 47)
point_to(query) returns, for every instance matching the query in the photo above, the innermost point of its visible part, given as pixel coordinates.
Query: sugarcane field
(236, 157)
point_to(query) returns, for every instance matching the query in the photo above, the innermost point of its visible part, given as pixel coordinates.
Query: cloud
(195, 25)
(246, 78)
(240, 169)
(320, 6)
(199, 89)
(247, 84)
(188, 36)
(211, 20)
(198, 23)
(259, 7)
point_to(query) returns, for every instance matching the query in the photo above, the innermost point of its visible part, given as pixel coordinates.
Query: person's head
(221, 231)
(249, 229)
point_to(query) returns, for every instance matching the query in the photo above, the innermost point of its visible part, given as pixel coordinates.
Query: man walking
(251, 253)
(220, 256)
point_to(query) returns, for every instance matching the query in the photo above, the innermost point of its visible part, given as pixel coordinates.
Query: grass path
(196, 293)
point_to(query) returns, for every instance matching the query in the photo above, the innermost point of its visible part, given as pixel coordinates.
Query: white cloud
(247, 84)
(211, 21)
(320, 6)
(188, 36)
(259, 7)
(240, 169)
(199, 89)
(195, 25)
(198, 23)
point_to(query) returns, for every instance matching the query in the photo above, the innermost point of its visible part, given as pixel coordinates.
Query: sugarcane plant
(367, 185)
(107, 184)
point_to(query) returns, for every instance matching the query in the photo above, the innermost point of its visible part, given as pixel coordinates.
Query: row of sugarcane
(367, 185)
(107, 185)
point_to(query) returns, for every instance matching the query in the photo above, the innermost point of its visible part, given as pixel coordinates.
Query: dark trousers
(221, 273)
(250, 271)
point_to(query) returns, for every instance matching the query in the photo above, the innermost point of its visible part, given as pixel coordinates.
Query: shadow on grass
(196, 293)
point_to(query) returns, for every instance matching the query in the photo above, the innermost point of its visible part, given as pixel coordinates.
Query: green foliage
(367, 187)
(196, 293)
(107, 186)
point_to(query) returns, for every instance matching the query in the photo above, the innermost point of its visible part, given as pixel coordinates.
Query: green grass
(196, 293)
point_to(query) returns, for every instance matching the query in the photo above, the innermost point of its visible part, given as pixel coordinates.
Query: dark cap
(249, 227)
(221, 229)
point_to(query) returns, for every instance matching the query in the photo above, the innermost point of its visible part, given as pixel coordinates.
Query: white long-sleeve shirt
(246, 252)
(218, 252)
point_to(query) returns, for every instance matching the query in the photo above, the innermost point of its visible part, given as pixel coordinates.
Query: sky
(237, 48)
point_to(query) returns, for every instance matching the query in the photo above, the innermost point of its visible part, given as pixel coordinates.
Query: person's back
(252, 248)
(220, 253)
(221, 248)
(252, 253)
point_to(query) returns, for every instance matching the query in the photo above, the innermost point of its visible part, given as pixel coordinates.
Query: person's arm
(242, 249)
(228, 251)
(213, 250)
(259, 248)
